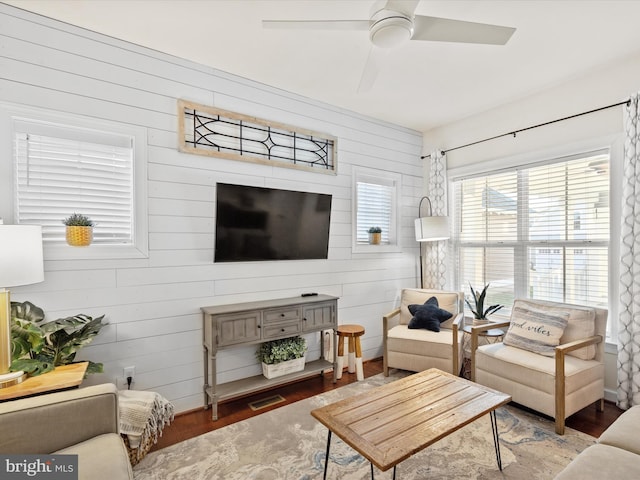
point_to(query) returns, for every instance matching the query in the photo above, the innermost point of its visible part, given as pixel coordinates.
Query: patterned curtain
(629, 325)
(435, 267)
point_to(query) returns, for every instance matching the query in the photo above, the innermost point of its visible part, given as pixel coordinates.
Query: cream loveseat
(82, 422)
(419, 349)
(616, 455)
(544, 365)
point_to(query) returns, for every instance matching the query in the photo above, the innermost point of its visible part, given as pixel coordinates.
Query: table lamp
(20, 264)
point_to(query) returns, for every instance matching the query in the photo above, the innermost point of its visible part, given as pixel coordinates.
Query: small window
(79, 166)
(375, 205)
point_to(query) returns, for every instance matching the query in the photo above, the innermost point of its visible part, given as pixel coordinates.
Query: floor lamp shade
(21, 263)
(431, 229)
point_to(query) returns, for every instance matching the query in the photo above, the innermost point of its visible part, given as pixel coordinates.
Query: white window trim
(615, 145)
(394, 246)
(140, 245)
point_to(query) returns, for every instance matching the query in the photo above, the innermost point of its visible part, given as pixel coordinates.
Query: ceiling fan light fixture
(389, 32)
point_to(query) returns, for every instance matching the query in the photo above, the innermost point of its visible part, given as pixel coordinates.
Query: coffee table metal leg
(326, 458)
(496, 439)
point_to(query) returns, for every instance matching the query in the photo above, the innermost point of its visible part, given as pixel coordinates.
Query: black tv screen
(256, 223)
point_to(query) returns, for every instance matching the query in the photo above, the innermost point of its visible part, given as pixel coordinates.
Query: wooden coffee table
(390, 423)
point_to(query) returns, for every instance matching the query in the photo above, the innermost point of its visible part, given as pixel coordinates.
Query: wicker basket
(78, 236)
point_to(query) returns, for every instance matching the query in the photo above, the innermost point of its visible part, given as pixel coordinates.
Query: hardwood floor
(197, 422)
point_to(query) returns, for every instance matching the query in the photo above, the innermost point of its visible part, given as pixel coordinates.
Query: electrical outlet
(129, 372)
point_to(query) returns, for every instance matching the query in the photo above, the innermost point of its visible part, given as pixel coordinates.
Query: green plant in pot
(375, 235)
(79, 231)
(480, 313)
(274, 353)
(38, 347)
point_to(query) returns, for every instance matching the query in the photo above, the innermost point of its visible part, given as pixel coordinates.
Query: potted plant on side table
(480, 313)
(283, 356)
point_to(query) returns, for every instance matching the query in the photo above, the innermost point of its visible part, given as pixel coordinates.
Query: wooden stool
(353, 333)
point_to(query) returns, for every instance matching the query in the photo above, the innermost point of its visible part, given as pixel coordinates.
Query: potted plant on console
(283, 356)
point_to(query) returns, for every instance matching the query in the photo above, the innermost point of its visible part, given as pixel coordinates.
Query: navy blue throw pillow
(428, 316)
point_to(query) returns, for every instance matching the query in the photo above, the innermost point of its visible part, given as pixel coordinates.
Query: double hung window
(540, 231)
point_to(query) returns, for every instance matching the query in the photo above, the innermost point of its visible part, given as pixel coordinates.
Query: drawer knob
(282, 314)
(283, 329)
(305, 319)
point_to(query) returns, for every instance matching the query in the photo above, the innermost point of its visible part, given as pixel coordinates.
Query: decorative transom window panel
(61, 169)
(215, 132)
(539, 231)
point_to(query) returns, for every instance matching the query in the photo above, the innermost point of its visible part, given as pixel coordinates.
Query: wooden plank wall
(153, 304)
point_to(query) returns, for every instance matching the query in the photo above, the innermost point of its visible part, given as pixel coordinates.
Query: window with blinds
(540, 231)
(376, 205)
(62, 169)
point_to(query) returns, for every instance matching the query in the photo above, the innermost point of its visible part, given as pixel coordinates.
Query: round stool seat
(352, 333)
(350, 330)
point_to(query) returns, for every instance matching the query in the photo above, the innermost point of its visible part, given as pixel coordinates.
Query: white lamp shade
(21, 260)
(431, 229)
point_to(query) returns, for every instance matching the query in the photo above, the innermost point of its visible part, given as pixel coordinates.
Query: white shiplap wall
(153, 304)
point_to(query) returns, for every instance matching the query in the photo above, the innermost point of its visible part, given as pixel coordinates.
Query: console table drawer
(281, 314)
(281, 330)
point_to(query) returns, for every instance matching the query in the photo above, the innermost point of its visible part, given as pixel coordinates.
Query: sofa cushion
(102, 457)
(623, 433)
(536, 330)
(416, 342)
(581, 324)
(602, 461)
(534, 370)
(428, 316)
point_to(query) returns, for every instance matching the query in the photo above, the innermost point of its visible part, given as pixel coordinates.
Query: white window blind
(375, 208)
(536, 232)
(63, 169)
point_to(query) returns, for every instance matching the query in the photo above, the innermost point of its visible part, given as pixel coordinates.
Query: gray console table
(228, 326)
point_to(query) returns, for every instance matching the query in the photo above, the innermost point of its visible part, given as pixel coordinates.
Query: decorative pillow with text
(538, 331)
(428, 316)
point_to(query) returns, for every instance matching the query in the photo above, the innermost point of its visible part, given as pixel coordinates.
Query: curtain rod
(626, 102)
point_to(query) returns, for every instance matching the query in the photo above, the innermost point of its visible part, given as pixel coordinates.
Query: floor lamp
(20, 264)
(429, 229)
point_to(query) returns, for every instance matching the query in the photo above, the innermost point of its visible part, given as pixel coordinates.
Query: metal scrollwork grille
(220, 133)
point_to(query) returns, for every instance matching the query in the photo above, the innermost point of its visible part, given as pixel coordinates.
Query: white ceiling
(422, 85)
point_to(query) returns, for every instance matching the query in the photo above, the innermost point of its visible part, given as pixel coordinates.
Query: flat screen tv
(256, 223)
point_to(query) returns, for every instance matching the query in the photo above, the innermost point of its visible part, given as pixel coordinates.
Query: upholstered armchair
(551, 358)
(419, 349)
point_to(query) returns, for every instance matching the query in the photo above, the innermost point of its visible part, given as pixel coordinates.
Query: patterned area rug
(288, 443)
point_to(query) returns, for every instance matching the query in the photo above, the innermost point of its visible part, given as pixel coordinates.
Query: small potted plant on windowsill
(279, 357)
(375, 235)
(79, 230)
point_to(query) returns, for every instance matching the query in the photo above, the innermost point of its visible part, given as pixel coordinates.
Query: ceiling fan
(393, 22)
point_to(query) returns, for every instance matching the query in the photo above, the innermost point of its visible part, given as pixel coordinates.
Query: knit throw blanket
(143, 415)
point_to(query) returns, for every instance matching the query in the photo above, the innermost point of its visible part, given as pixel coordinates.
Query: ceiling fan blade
(403, 6)
(371, 69)
(316, 24)
(436, 29)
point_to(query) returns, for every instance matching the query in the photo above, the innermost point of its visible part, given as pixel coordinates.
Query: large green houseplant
(38, 347)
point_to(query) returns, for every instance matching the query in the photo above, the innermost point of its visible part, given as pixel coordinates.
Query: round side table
(493, 335)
